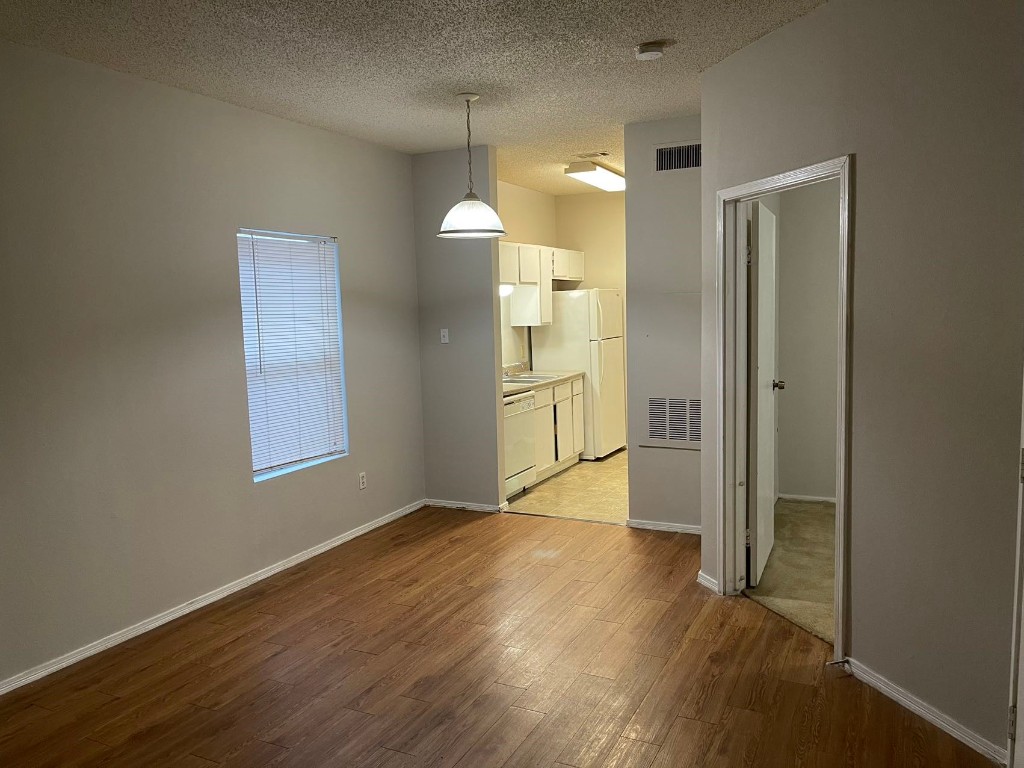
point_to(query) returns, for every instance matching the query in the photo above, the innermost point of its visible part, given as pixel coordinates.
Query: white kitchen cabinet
(577, 265)
(577, 423)
(529, 264)
(530, 303)
(508, 263)
(567, 265)
(563, 430)
(544, 436)
(546, 267)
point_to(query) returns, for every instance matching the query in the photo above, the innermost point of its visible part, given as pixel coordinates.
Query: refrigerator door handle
(600, 317)
(600, 362)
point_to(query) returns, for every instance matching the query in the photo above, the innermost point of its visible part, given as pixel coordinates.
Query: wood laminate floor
(452, 638)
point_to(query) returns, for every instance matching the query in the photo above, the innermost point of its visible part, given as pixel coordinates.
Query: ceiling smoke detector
(650, 51)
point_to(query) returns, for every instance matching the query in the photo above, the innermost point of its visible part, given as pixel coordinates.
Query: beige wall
(595, 223)
(126, 480)
(808, 327)
(663, 291)
(528, 215)
(938, 314)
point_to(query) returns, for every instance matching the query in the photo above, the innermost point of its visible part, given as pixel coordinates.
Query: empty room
(570, 385)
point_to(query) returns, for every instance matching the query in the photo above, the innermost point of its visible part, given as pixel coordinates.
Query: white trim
(654, 525)
(927, 711)
(796, 497)
(706, 581)
(46, 668)
(468, 505)
(1016, 643)
(730, 542)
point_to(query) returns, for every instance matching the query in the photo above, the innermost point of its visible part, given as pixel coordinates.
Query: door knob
(778, 385)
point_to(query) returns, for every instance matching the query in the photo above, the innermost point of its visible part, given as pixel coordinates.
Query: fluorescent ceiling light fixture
(505, 289)
(471, 217)
(597, 176)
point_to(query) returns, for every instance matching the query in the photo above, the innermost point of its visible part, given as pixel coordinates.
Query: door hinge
(1022, 465)
(1011, 725)
(748, 538)
(749, 254)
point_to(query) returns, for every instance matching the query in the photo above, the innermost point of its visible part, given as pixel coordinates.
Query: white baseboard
(706, 581)
(46, 668)
(461, 505)
(654, 525)
(927, 711)
(795, 497)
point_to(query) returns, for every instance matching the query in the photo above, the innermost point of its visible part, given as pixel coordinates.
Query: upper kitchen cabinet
(508, 263)
(530, 302)
(568, 265)
(529, 264)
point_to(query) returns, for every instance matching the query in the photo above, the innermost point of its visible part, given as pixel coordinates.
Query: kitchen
(562, 326)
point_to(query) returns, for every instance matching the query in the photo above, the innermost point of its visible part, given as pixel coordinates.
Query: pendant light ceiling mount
(471, 217)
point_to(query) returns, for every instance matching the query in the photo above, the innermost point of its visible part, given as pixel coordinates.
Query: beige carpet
(799, 578)
(591, 490)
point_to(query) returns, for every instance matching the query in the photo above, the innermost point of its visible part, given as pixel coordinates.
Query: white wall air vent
(676, 157)
(673, 422)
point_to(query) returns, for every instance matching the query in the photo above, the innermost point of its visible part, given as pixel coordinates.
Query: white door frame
(730, 280)
(1017, 645)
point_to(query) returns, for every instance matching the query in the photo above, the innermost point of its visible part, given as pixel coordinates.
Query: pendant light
(471, 217)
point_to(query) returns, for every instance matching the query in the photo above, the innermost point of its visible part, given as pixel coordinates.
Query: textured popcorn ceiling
(558, 77)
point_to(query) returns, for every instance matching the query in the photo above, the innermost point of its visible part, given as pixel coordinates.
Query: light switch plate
(444, 335)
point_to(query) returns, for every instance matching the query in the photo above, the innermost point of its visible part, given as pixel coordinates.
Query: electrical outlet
(444, 335)
(362, 481)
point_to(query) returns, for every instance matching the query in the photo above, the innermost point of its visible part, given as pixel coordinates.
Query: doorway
(783, 361)
(792, 287)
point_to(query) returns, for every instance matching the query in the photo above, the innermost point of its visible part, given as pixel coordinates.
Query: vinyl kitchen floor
(590, 490)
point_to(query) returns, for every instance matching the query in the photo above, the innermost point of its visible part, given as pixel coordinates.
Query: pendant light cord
(469, 151)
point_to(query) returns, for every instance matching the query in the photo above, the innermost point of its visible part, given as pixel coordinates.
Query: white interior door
(763, 376)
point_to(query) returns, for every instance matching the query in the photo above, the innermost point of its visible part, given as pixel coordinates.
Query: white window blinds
(291, 322)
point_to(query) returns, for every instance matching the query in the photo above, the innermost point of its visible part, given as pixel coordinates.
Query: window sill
(259, 477)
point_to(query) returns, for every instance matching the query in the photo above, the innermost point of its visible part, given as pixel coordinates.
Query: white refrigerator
(586, 335)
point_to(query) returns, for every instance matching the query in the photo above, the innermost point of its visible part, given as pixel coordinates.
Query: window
(294, 365)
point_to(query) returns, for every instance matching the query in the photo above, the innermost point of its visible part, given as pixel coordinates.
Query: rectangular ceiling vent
(675, 158)
(673, 422)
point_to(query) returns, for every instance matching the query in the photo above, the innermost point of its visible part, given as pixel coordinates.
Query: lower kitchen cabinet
(558, 426)
(544, 437)
(577, 423)
(563, 429)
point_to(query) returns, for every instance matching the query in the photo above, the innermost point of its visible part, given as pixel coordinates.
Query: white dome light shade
(471, 217)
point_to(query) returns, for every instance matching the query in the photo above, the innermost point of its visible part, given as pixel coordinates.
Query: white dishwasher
(520, 455)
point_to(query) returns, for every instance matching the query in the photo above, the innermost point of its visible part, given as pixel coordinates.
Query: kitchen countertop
(515, 388)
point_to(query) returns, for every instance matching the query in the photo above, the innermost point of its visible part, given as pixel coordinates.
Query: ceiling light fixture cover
(597, 176)
(650, 51)
(471, 217)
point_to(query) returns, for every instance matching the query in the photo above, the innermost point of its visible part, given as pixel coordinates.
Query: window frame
(261, 475)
